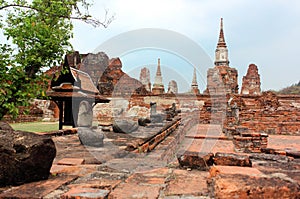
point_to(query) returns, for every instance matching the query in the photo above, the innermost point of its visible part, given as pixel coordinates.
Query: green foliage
(40, 33)
(291, 90)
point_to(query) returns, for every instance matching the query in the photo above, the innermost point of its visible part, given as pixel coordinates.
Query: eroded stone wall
(266, 113)
(222, 80)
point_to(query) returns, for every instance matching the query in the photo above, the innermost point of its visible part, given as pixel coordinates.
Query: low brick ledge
(152, 142)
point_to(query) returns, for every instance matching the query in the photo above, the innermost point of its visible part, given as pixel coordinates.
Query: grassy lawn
(36, 126)
(40, 126)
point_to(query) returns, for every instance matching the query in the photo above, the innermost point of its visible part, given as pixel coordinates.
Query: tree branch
(85, 18)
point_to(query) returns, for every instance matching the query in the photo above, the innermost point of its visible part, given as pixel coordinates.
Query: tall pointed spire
(158, 71)
(158, 86)
(221, 42)
(221, 54)
(194, 82)
(194, 85)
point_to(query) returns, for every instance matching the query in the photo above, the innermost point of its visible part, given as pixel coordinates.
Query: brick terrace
(112, 172)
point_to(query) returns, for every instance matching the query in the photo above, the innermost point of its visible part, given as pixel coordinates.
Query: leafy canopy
(38, 34)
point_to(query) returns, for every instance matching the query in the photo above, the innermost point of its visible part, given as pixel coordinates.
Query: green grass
(36, 126)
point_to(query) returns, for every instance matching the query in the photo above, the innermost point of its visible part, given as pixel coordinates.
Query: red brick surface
(37, 189)
(71, 161)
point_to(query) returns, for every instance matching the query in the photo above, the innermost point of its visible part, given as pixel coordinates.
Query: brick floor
(166, 181)
(37, 189)
(85, 193)
(103, 183)
(206, 138)
(216, 170)
(284, 141)
(183, 182)
(79, 170)
(135, 190)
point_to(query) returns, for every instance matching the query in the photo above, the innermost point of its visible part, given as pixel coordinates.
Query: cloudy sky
(263, 32)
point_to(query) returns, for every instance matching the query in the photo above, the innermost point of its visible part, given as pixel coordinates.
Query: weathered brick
(195, 160)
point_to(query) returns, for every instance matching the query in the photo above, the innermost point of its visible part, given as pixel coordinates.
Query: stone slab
(216, 170)
(37, 189)
(85, 193)
(79, 170)
(231, 159)
(102, 183)
(244, 186)
(183, 182)
(71, 161)
(134, 190)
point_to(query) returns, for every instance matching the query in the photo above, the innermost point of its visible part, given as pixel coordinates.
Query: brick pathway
(111, 172)
(207, 138)
(284, 142)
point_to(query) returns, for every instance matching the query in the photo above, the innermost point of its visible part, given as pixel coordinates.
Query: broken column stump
(195, 160)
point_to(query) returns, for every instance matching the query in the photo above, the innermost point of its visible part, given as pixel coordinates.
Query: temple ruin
(149, 143)
(251, 81)
(222, 79)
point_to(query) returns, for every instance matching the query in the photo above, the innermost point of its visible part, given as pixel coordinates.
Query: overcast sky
(263, 32)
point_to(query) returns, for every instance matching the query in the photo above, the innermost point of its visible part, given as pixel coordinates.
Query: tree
(294, 89)
(40, 34)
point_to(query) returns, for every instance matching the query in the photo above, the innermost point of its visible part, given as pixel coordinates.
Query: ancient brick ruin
(220, 103)
(172, 87)
(222, 79)
(251, 81)
(214, 144)
(145, 78)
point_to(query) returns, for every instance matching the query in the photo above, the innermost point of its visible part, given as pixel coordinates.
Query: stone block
(86, 193)
(124, 126)
(134, 190)
(183, 183)
(71, 161)
(230, 186)
(5, 126)
(144, 121)
(230, 159)
(294, 154)
(195, 160)
(24, 157)
(90, 137)
(217, 170)
(156, 118)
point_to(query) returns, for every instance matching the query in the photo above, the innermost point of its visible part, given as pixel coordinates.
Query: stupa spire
(194, 81)
(221, 54)
(221, 42)
(158, 86)
(194, 85)
(158, 71)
